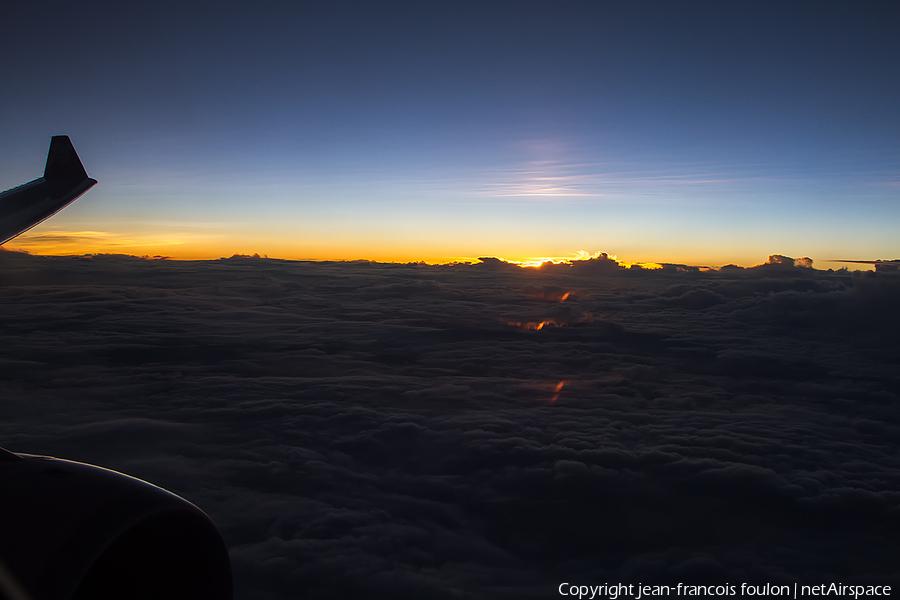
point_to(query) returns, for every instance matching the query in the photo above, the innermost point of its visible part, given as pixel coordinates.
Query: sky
(693, 132)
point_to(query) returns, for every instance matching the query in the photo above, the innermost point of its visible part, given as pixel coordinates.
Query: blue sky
(701, 132)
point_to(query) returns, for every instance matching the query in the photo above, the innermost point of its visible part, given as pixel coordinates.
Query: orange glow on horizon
(200, 245)
(538, 262)
(652, 266)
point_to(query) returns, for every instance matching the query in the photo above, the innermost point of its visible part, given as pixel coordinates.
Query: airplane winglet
(64, 180)
(63, 162)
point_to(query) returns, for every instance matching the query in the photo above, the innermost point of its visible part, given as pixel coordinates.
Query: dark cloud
(389, 431)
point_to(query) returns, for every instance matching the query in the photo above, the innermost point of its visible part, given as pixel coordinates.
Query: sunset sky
(698, 132)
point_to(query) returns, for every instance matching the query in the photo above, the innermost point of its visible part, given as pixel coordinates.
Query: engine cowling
(70, 530)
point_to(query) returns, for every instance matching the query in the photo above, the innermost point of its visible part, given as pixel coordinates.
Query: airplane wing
(64, 180)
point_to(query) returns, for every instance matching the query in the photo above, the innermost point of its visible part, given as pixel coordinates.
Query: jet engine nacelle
(72, 531)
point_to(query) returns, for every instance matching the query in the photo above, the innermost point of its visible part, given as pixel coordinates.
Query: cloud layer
(407, 431)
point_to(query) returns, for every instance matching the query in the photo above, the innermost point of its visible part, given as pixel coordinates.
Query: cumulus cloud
(388, 431)
(780, 259)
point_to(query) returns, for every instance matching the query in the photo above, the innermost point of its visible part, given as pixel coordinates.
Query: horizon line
(777, 260)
